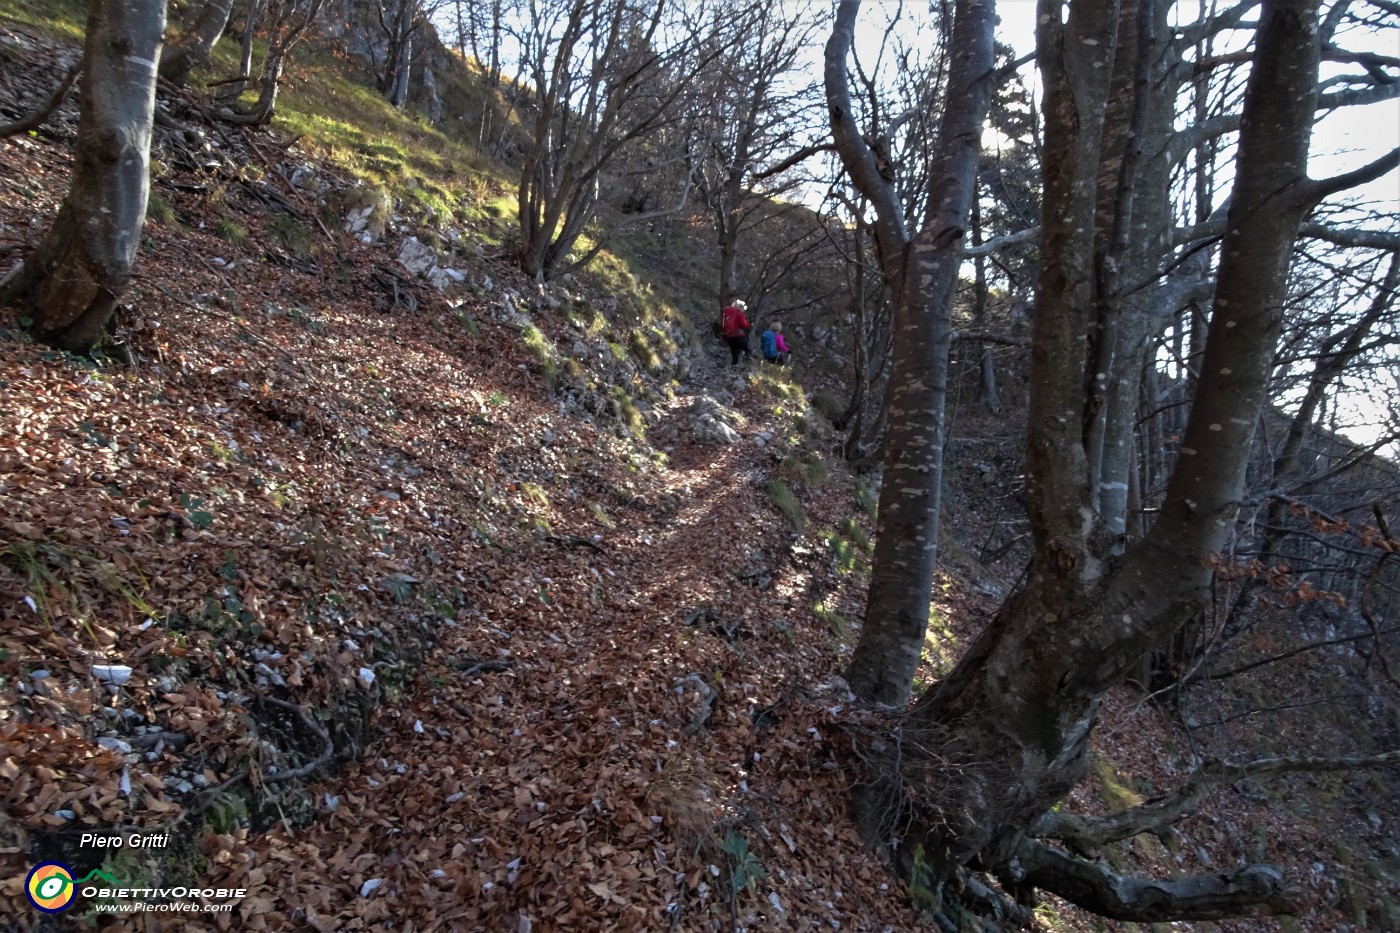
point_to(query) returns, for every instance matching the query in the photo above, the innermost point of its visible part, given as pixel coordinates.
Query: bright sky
(1345, 140)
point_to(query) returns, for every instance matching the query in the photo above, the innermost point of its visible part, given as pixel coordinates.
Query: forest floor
(554, 673)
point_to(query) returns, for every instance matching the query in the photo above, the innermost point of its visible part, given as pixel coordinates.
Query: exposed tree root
(1254, 889)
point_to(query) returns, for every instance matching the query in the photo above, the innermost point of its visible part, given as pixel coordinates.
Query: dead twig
(327, 746)
(486, 667)
(37, 118)
(574, 541)
(230, 319)
(310, 209)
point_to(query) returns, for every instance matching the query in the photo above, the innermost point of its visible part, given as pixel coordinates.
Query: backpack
(717, 328)
(730, 318)
(769, 342)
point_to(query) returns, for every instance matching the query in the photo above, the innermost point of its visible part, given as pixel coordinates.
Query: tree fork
(71, 283)
(1016, 713)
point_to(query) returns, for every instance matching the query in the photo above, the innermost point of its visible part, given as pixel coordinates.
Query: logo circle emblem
(50, 887)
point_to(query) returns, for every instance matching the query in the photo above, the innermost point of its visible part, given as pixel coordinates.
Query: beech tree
(285, 21)
(72, 281)
(192, 48)
(921, 270)
(974, 771)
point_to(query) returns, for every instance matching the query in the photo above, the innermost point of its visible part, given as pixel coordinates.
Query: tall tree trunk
(193, 48)
(922, 278)
(987, 395)
(398, 93)
(1009, 726)
(71, 283)
(231, 90)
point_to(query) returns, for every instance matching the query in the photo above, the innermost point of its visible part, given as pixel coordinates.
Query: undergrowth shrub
(828, 406)
(230, 231)
(289, 234)
(783, 499)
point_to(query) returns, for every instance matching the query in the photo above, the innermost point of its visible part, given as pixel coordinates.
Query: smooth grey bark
(231, 89)
(987, 395)
(399, 28)
(193, 48)
(70, 284)
(922, 273)
(1008, 728)
(1133, 225)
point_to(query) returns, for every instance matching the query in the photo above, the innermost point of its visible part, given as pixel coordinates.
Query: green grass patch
(865, 498)
(288, 233)
(628, 413)
(850, 545)
(601, 514)
(230, 231)
(535, 493)
(1116, 789)
(852, 532)
(828, 406)
(783, 499)
(542, 352)
(942, 648)
(641, 348)
(584, 315)
(776, 382)
(159, 210)
(815, 473)
(57, 19)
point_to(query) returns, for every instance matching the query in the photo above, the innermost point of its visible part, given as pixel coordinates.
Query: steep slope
(445, 609)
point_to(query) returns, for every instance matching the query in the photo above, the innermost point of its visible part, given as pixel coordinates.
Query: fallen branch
(574, 541)
(327, 746)
(310, 209)
(37, 118)
(486, 667)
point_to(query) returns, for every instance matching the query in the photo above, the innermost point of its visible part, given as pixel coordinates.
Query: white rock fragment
(369, 886)
(115, 674)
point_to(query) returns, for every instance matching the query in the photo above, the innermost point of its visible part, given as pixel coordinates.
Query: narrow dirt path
(597, 782)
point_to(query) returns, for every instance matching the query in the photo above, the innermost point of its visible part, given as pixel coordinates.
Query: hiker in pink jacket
(775, 348)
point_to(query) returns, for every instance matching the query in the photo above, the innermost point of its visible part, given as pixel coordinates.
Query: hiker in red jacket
(736, 329)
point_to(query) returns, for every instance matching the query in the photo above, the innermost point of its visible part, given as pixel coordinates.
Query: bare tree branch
(37, 118)
(1317, 189)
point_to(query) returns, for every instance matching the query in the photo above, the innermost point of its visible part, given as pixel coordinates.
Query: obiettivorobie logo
(51, 888)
